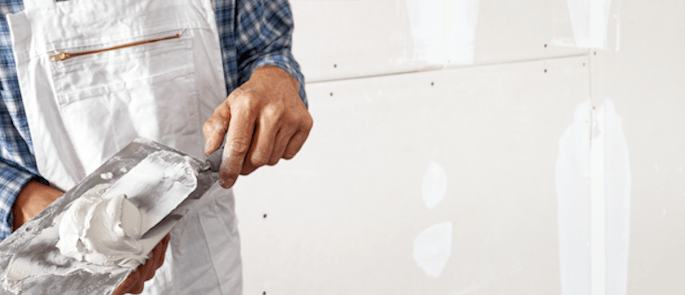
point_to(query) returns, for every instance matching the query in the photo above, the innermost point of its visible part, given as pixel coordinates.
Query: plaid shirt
(252, 33)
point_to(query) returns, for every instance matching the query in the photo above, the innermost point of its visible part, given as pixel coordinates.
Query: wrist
(32, 199)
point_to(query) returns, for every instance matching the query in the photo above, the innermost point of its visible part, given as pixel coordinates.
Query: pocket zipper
(60, 56)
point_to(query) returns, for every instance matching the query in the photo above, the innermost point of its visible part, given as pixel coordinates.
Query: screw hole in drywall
(583, 64)
(264, 215)
(432, 83)
(595, 52)
(335, 65)
(331, 93)
(545, 45)
(545, 70)
(264, 293)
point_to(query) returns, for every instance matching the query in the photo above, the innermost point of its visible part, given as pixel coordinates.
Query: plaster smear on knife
(157, 185)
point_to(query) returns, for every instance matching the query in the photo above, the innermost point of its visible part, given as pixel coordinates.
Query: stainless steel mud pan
(33, 245)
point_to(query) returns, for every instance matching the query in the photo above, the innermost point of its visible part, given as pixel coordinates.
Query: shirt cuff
(12, 180)
(287, 64)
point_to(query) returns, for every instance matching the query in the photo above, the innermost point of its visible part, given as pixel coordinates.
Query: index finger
(238, 140)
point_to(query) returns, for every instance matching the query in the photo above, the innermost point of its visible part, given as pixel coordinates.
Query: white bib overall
(96, 74)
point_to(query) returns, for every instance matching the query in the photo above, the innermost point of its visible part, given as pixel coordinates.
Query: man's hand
(136, 280)
(263, 120)
(35, 196)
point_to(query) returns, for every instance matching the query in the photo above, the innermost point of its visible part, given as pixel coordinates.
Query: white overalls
(130, 68)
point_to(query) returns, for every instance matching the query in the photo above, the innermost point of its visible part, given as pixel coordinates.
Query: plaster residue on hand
(434, 185)
(432, 248)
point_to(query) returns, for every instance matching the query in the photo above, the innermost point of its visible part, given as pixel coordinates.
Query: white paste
(432, 248)
(434, 185)
(17, 272)
(102, 231)
(107, 176)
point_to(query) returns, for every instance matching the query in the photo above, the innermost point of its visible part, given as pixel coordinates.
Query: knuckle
(246, 100)
(240, 146)
(273, 161)
(259, 159)
(275, 113)
(307, 123)
(208, 127)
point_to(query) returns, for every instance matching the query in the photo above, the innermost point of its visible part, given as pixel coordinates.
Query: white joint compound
(101, 231)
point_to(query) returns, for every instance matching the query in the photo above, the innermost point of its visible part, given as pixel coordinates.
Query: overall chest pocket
(111, 95)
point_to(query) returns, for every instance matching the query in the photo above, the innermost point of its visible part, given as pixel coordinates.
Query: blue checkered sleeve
(263, 37)
(12, 180)
(14, 155)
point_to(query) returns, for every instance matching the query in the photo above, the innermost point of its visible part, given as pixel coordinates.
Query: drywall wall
(478, 147)
(354, 213)
(643, 79)
(352, 38)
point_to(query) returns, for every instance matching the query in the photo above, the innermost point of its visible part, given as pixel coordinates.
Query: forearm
(32, 199)
(12, 180)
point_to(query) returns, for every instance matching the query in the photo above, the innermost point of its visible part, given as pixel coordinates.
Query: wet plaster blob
(432, 248)
(102, 229)
(434, 185)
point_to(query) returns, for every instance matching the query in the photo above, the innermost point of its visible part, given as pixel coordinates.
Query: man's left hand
(263, 120)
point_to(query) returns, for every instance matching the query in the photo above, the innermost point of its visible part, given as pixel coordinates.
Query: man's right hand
(32, 199)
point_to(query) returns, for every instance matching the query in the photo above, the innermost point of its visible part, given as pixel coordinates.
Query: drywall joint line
(438, 68)
(598, 227)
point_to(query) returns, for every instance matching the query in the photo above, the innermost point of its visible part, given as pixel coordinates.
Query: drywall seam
(597, 205)
(593, 198)
(438, 68)
(618, 189)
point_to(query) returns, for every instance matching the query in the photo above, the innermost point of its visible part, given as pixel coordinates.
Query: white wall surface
(454, 153)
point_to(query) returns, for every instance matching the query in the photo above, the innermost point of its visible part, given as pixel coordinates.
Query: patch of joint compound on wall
(434, 185)
(593, 192)
(573, 196)
(589, 19)
(597, 205)
(618, 184)
(443, 30)
(432, 248)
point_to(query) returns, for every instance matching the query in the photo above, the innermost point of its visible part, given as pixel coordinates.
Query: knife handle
(214, 159)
